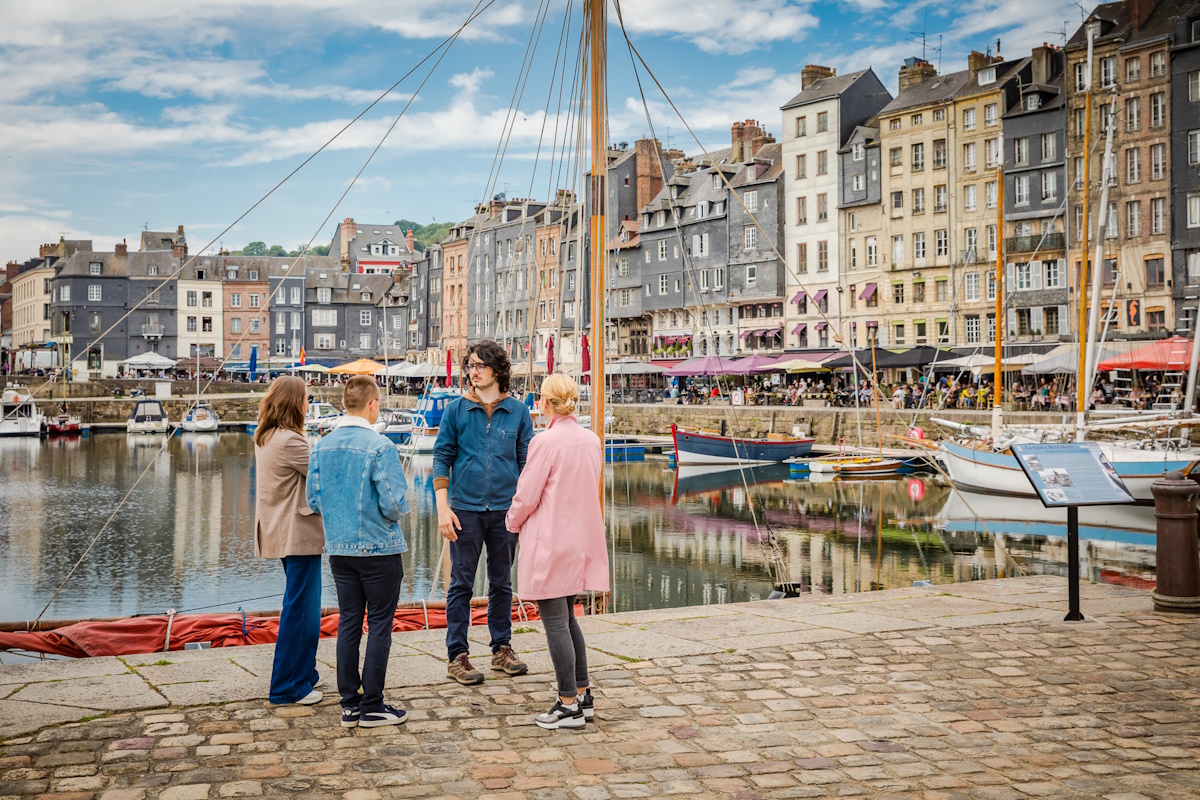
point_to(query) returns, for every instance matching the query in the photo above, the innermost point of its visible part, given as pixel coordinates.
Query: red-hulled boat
(64, 425)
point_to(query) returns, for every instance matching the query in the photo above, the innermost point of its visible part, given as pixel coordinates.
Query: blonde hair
(560, 394)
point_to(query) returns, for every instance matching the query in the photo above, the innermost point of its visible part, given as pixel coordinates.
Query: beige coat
(283, 523)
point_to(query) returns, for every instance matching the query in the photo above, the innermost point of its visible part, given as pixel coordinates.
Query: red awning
(1167, 354)
(868, 292)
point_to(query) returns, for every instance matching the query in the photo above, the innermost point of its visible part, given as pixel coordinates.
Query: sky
(120, 115)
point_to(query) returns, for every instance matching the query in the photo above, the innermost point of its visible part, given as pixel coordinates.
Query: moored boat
(430, 408)
(396, 424)
(64, 425)
(18, 414)
(200, 419)
(855, 465)
(148, 417)
(698, 447)
(321, 418)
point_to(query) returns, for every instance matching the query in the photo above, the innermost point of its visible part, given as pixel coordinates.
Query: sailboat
(860, 465)
(201, 418)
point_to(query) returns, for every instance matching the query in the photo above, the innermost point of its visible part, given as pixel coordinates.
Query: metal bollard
(1178, 557)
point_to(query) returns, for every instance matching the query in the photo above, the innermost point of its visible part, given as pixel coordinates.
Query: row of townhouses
(872, 217)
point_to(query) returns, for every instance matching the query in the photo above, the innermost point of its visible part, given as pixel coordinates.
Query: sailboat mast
(598, 13)
(1084, 273)
(997, 393)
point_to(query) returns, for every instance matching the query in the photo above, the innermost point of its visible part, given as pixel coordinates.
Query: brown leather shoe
(507, 662)
(460, 669)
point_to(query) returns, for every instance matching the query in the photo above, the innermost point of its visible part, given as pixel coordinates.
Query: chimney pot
(813, 73)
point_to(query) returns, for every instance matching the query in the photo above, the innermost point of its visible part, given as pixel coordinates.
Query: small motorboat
(201, 419)
(18, 414)
(396, 424)
(849, 465)
(148, 417)
(321, 418)
(64, 425)
(704, 447)
(430, 408)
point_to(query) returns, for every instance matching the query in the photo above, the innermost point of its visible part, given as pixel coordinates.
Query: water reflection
(184, 538)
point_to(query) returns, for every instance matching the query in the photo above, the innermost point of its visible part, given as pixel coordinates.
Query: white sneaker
(311, 699)
(561, 716)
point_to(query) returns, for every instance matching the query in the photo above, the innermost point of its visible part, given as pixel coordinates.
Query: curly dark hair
(493, 355)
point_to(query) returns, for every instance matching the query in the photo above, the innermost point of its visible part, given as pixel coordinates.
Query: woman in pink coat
(557, 514)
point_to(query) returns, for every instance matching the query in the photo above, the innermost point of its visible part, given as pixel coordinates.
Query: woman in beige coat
(285, 528)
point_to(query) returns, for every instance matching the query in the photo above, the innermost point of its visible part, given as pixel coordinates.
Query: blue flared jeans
(294, 672)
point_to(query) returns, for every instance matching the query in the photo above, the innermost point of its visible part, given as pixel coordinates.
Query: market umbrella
(149, 361)
(631, 366)
(364, 366)
(1064, 360)
(253, 363)
(752, 365)
(704, 365)
(310, 368)
(550, 356)
(802, 365)
(449, 367)
(1167, 354)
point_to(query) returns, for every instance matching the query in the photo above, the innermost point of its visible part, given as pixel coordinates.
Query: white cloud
(372, 184)
(721, 26)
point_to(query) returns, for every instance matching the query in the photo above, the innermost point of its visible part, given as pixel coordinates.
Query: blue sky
(122, 113)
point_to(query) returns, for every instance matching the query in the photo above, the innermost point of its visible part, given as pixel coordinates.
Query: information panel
(1074, 474)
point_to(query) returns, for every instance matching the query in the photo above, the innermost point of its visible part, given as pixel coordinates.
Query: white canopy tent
(148, 361)
(632, 367)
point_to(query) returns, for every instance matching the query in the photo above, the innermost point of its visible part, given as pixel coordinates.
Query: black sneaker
(561, 716)
(350, 717)
(585, 703)
(390, 715)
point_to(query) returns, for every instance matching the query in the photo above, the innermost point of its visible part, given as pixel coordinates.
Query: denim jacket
(356, 483)
(480, 455)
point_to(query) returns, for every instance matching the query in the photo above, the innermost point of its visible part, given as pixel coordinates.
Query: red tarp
(1167, 354)
(148, 634)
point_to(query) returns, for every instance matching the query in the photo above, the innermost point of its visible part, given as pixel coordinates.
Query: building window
(801, 167)
(1108, 72)
(364, 317)
(1158, 161)
(662, 284)
(990, 195)
(1193, 147)
(254, 299)
(918, 201)
(1158, 64)
(1020, 191)
(191, 299)
(1054, 274)
(991, 114)
(235, 301)
(206, 299)
(750, 237)
(972, 329)
(254, 324)
(801, 211)
(822, 208)
(206, 325)
(1155, 276)
(822, 121)
(897, 293)
(897, 250)
(94, 293)
(971, 286)
(235, 325)
(919, 246)
(1133, 69)
(662, 249)
(859, 150)
(718, 278)
(894, 125)
(918, 291)
(969, 157)
(918, 156)
(191, 324)
(872, 252)
(321, 318)
(1024, 277)
(941, 243)
(94, 322)
(969, 119)
(1021, 150)
(750, 198)
(323, 341)
(1133, 114)
(822, 163)
(1158, 110)
(897, 201)
(822, 256)
(801, 126)
(1133, 164)
(94, 268)
(1049, 185)
(991, 151)
(751, 275)
(1156, 320)
(897, 156)
(1133, 218)
(859, 182)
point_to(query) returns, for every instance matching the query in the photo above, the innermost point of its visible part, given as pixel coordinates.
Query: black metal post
(1073, 614)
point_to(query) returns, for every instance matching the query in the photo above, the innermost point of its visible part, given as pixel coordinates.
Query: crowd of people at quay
(496, 485)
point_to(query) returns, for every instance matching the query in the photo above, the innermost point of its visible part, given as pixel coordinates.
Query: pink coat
(557, 513)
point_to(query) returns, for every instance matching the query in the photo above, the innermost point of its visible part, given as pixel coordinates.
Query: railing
(1027, 244)
(153, 331)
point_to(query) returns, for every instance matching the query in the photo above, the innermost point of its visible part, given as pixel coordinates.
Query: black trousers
(370, 584)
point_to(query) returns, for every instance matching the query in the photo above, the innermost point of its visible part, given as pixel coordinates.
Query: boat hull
(693, 449)
(422, 440)
(987, 472)
(855, 466)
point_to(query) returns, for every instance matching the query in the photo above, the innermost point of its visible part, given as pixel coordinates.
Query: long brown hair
(283, 407)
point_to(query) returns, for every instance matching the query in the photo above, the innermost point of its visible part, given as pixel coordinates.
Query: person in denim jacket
(480, 451)
(356, 482)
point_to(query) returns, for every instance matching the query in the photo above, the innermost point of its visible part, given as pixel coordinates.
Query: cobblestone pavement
(973, 690)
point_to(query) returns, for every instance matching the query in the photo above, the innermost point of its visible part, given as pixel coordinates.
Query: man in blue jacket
(480, 451)
(356, 483)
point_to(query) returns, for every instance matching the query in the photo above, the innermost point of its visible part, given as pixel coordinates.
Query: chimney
(408, 240)
(977, 61)
(648, 170)
(1140, 11)
(122, 249)
(813, 73)
(915, 71)
(744, 134)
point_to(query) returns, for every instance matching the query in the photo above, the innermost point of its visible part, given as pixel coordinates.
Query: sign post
(1069, 476)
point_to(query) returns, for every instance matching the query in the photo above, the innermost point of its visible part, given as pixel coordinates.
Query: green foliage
(261, 249)
(424, 235)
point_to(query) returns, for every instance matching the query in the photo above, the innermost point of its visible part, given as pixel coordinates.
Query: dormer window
(201, 274)
(987, 76)
(152, 269)
(860, 151)
(94, 268)
(717, 181)
(324, 294)
(1033, 102)
(231, 274)
(366, 297)
(253, 274)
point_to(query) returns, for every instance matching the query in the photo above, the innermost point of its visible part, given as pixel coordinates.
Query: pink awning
(799, 296)
(776, 332)
(799, 328)
(747, 333)
(868, 291)
(819, 296)
(872, 324)
(822, 326)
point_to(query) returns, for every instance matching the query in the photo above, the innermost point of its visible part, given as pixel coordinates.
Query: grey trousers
(567, 651)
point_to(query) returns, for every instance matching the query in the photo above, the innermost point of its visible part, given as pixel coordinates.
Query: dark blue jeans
(480, 529)
(294, 670)
(371, 584)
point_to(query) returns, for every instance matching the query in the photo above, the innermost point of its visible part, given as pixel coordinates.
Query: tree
(252, 249)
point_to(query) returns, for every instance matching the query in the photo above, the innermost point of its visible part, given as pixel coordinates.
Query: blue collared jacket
(356, 483)
(481, 455)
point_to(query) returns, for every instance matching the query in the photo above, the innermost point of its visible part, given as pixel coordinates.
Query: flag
(253, 363)
(302, 355)
(449, 368)
(550, 356)
(587, 361)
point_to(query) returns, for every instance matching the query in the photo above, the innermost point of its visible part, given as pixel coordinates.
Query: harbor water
(184, 539)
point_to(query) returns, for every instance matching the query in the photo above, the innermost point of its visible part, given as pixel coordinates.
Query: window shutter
(1064, 322)
(1011, 320)
(1035, 319)
(704, 243)
(1035, 269)
(1010, 278)
(695, 245)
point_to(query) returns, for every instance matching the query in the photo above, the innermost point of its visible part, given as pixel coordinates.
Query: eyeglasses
(476, 367)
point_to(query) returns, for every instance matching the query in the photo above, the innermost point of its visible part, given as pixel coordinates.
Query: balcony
(1027, 244)
(152, 331)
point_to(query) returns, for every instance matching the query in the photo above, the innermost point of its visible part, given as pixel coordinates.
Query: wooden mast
(1081, 288)
(597, 14)
(997, 390)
